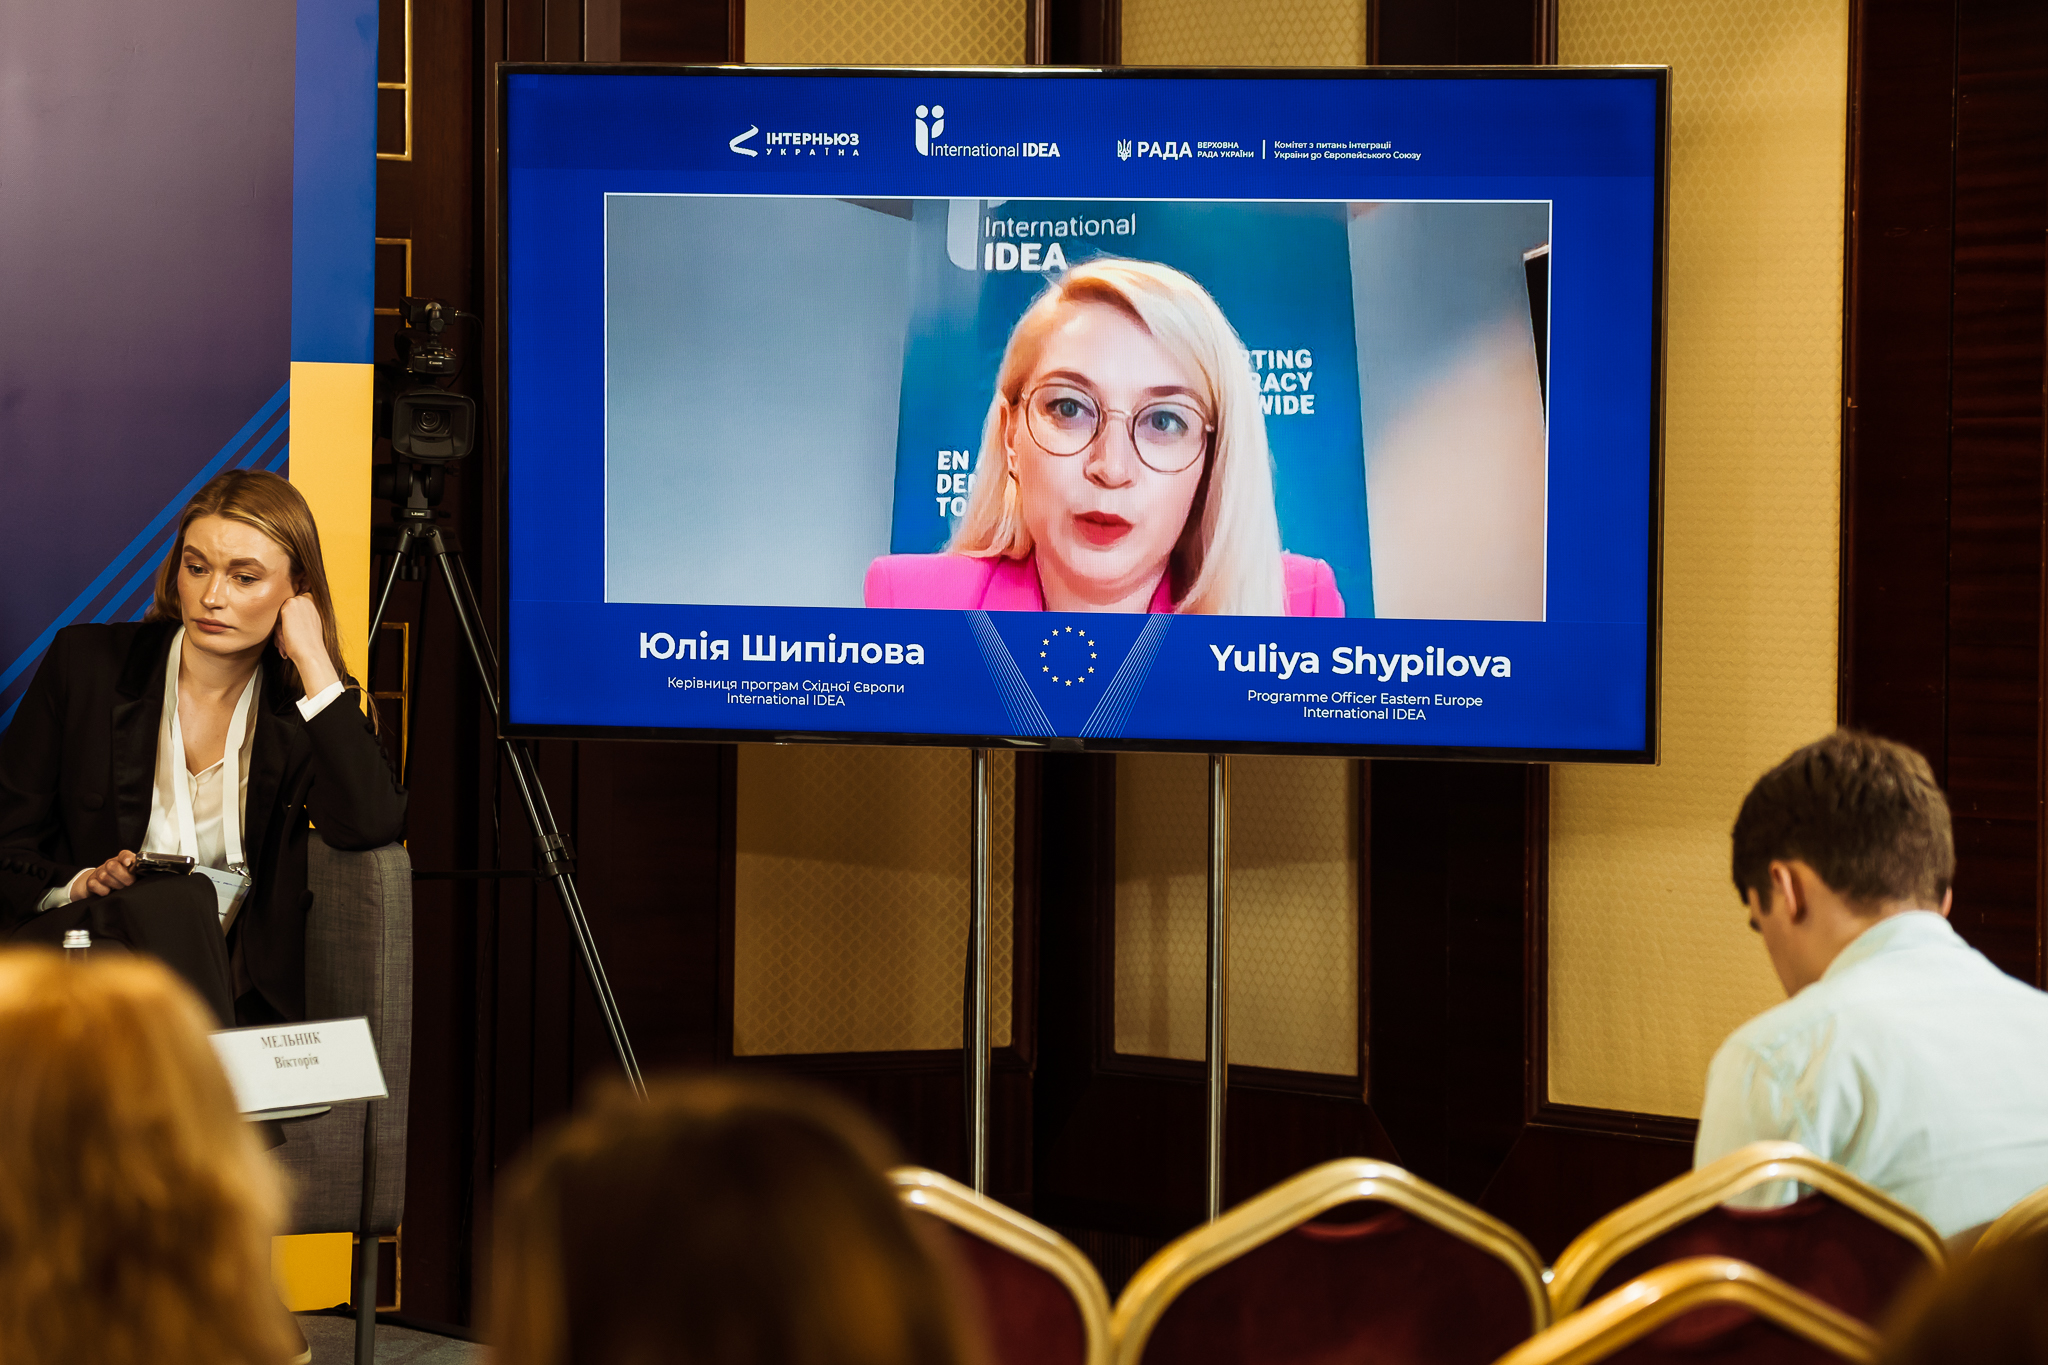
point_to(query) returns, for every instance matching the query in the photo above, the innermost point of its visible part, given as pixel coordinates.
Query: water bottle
(77, 944)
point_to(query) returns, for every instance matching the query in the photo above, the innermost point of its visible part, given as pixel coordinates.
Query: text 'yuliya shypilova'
(1433, 662)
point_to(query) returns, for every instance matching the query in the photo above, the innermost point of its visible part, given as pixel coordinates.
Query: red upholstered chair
(1352, 1260)
(1040, 1300)
(1844, 1243)
(1703, 1309)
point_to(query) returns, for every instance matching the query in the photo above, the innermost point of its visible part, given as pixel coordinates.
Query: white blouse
(215, 838)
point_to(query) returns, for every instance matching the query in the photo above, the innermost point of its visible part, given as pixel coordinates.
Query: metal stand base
(419, 535)
(367, 1245)
(1216, 1011)
(974, 1030)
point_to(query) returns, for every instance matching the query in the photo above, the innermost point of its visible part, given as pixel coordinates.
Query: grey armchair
(358, 962)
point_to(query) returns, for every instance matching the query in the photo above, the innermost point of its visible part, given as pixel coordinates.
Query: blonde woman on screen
(1123, 467)
(136, 1208)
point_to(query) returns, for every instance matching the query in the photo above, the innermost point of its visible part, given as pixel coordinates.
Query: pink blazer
(947, 582)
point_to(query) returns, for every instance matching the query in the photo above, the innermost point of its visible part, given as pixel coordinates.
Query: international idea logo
(929, 132)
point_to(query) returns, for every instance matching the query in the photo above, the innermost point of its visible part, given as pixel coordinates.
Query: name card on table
(291, 1066)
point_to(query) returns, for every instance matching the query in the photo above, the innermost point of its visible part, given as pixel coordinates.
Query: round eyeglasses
(1065, 419)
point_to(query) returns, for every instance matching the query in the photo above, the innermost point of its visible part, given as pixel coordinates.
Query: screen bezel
(1648, 754)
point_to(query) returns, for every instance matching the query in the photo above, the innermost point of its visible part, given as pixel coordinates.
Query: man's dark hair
(1864, 813)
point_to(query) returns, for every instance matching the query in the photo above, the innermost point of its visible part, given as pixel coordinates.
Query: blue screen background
(1586, 144)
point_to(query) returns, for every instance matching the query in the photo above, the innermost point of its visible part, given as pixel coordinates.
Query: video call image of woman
(1123, 467)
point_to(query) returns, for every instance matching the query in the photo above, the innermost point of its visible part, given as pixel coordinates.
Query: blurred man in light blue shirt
(1903, 1054)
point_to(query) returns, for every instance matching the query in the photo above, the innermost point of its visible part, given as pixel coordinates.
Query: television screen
(1306, 411)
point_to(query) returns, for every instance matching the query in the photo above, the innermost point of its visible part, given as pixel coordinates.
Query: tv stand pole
(1216, 1011)
(974, 1024)
(418, 535)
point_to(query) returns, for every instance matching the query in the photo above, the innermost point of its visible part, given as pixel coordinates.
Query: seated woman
(1123, 467)
(222, 728)
(136, 1207)
(743, 1221)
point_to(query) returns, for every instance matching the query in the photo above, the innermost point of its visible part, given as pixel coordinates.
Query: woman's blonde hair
(721, 1221)
(1227, 560)
(136, 1208)
(258, 498)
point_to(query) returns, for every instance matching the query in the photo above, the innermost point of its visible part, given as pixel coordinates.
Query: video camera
(428, 425)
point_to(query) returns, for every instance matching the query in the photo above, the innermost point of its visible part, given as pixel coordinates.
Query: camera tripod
(419, 536)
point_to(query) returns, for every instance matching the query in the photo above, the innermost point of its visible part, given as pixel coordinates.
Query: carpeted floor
(334, 1343)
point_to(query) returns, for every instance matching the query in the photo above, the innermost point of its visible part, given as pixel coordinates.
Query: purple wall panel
(145, 274)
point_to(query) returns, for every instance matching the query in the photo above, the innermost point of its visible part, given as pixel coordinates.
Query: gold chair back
(1032, 1242)
(2023, 1219)
(1668, 1206)
(1295, 1201)
(1641, 1306)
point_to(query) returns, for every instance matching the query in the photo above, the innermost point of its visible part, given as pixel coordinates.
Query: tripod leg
(546, 833)
(384, 598)
(552, 850)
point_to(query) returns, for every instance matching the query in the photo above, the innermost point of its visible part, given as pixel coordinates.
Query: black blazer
(78, 765)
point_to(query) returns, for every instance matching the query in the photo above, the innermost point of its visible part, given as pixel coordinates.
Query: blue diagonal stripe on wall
(243, 448)
(252, 457)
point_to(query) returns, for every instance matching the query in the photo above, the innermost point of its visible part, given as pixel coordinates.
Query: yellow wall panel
(1226, 32)
(330, 465)
(887, 32)
(1651, 964)
(1293, 909)
(851, 898)
(312, 1270)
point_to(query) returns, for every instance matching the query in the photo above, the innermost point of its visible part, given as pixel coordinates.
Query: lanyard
(230, 776)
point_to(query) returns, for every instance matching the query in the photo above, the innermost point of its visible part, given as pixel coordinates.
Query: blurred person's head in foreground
(1990, 1308)
(136, 1207)
(723, 1221)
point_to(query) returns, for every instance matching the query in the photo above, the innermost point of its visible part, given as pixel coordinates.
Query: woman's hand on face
(104, 880)
(302, 638)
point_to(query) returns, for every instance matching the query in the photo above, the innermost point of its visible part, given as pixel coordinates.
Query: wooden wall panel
(1449, 893)
(1996, 476)
(1896, 361)
(1467, 33)
(679, 30)
(1944, 475)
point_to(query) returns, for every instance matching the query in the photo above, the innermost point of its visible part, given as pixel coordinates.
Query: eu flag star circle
(1067, 656)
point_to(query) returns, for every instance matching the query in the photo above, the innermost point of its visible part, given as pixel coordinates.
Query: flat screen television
(1294, 411)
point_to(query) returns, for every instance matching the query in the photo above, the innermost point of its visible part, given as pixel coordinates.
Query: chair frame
(2028, 1216)
(1028, 1240)
(1648, 1302)
(1293, 1202)
(1642, 1220)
